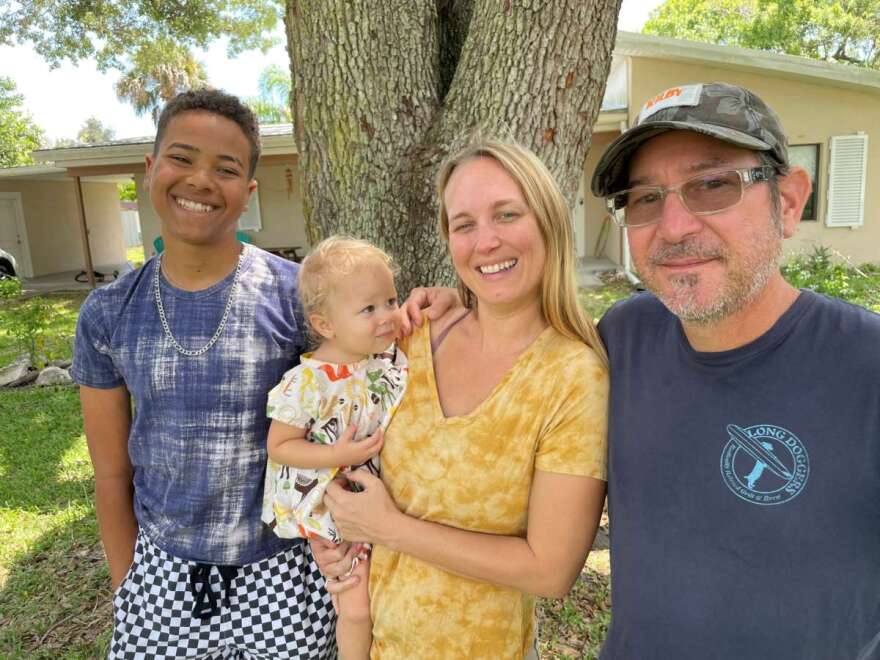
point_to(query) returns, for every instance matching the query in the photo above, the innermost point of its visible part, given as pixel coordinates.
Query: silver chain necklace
(217, 333)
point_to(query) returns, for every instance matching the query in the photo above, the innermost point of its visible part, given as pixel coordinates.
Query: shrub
(10, 287)
(819, 272)
(29, 327)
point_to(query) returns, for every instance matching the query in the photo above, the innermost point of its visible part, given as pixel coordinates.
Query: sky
(60, 100)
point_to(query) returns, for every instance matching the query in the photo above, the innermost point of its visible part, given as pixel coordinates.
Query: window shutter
(846, 181)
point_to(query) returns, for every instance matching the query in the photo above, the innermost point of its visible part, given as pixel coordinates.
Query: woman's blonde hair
(559, 302)
(330, 261)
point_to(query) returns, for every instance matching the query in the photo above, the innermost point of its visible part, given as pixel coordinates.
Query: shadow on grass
(56, 602)
(55, 597)
(38, 429)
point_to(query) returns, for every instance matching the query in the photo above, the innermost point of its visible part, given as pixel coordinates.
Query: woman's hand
(368, 516)
(433, 302)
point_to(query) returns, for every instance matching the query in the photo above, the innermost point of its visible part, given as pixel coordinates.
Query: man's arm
(107, 422)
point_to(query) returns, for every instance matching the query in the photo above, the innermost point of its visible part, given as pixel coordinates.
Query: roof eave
(789, 66)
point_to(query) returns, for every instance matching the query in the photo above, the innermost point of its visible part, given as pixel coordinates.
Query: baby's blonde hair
(331, 260)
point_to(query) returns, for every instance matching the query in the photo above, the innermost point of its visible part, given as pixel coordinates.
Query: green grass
(596, 301)
(54, 586)
(135, 255)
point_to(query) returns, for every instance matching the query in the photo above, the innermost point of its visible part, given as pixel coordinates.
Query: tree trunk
(382, 91)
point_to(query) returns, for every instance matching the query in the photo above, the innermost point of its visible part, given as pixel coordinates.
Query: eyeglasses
(704, 194)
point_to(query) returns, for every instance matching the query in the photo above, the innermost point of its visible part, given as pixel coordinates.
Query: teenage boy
(196, 338)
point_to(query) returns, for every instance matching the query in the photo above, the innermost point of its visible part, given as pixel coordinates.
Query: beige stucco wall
(811, 112)
(52, 222)
(280, 210)
(595, 208)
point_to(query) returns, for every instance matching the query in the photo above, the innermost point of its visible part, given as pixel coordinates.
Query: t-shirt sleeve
(574, 440)
(93, 364)
(296, 400)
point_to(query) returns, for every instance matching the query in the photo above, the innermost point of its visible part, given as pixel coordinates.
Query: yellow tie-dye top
(474, 472)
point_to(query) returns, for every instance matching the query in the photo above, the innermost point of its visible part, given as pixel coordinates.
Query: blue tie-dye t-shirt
(198, 436)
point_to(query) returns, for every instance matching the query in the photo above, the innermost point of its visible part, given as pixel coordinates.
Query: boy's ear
(252, 186)
(148, 162)
(321, 324)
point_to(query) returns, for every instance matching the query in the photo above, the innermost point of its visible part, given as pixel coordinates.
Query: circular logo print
(764, 464)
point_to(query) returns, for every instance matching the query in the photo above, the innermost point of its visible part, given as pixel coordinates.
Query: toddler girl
(355, 376)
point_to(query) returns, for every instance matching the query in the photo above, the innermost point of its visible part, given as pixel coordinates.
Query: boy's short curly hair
(217, 102)
(331, 260)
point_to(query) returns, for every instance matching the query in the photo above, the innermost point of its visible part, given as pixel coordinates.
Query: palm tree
(159, 71)
(272, 103)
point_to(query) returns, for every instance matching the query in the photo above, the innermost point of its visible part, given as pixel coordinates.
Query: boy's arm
(287, 445)
(107, 422)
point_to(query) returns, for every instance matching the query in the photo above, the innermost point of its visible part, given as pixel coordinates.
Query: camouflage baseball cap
(727, 112)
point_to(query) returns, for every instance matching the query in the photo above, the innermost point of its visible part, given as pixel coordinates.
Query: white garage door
(11, 238)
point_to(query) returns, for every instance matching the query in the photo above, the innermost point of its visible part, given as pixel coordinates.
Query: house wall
(52, 222)
(595, 207)
(281, 211)
(811, 112)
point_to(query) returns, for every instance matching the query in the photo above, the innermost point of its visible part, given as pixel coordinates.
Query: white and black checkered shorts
(172, 608)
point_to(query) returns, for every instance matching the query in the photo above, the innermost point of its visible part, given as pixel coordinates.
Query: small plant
(819, 272)
(29, 327)
(10, 287)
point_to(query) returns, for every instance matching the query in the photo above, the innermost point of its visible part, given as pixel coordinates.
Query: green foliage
(19, 135)
(53, 336)
(10, 287)
(272, 104)
(28, 326)
(159, 71)
(831, 30)
(110, 30)
(127, 191)
(93, 131)
(819, 272)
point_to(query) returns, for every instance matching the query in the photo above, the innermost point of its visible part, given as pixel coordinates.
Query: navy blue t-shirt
(198, 436)
(744, 487)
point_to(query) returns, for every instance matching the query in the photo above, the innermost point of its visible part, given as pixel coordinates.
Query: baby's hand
(347, 451)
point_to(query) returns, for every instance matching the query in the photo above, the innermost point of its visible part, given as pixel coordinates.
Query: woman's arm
(563, 516)
(287, 445)
(107, 422)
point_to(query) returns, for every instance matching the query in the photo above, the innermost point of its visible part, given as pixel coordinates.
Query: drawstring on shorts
(206, 601)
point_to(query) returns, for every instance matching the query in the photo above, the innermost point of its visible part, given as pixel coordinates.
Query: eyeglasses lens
(706, 194)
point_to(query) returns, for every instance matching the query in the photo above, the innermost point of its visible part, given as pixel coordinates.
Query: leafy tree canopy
(19, 134)
(158, 72)
(831, 30)
(93, 131)
(272, 103)
(108, 30)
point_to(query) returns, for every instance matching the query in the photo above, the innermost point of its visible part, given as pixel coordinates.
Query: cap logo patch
(686, 95)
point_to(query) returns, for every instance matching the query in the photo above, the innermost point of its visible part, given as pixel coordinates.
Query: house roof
(731, 57)
(33, 172)
(275, 139)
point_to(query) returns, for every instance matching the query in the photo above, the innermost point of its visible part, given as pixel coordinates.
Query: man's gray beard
(731, 300)
(741, 289)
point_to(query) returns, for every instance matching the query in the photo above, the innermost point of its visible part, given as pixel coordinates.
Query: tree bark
(382, 91)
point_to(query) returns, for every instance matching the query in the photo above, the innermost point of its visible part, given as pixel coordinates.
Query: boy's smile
(198, 181)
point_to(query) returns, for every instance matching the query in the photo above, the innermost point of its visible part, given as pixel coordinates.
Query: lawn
(54, 586)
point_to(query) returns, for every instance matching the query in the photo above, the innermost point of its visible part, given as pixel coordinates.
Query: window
(250, 220)
(807, 156)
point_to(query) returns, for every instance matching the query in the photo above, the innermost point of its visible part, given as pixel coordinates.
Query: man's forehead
(685, 152)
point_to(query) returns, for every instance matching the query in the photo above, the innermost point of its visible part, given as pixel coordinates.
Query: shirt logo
(764, 464)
